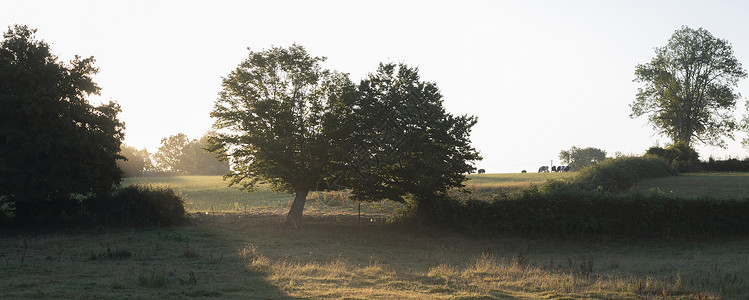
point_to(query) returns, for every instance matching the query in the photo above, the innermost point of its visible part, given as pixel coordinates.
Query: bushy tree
(680, 156)
(168, 156)
(688, 88)
(276, 123)
(405, 145)
(54, 144)
(135, 162)
(579, 158)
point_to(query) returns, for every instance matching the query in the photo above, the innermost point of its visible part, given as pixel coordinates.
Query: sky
(541, 76)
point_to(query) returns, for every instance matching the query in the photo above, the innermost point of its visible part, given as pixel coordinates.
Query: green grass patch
(716, 185)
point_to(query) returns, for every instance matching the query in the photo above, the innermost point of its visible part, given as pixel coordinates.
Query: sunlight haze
(541, 76)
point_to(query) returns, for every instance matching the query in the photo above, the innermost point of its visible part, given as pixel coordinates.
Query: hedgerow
(137, 206)
(598, 202)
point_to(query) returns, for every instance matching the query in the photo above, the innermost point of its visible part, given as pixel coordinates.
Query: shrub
(137, 206)
(679, 155)
(621, 173)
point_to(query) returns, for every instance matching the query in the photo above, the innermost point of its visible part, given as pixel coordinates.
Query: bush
(137, 206)
(622, 173)
(679, 155)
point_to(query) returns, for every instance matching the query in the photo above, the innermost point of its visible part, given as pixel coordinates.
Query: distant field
(211, 193)
(510, 181)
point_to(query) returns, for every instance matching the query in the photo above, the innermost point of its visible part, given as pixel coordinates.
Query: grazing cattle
(543, 169)
(554, 168)
(523, 171)
(482, 171)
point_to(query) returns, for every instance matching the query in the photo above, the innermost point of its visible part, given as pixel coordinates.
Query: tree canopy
(688, 88)
(579, 158)
(54, 143)
(405, 145)
(275, 122)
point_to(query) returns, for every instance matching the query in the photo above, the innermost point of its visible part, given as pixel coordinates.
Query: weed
(189, 253)
(111, 254)
(153, 280)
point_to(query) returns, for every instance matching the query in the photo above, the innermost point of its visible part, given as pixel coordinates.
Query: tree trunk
(297, 207)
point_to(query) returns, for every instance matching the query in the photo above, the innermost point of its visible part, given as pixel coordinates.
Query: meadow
(236, 248)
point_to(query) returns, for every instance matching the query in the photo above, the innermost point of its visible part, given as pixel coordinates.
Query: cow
(482, 171)
(543, 169)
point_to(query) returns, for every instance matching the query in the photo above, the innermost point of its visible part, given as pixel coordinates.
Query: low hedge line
(131, 206)
(729, 165)
(596, 213)
(597, 202)
(137, 206)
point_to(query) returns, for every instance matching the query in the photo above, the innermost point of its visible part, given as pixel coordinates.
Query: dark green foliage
(621, 173)
(680, 156)
(277, 122)
(54, 145)
(137, 206)
(729, 165)
(405, 143)
(574, 212)
(597, 203)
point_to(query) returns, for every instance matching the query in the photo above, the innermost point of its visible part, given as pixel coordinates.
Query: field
(236, 248)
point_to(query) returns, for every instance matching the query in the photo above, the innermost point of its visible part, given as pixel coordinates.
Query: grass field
(718, 185)
(211, 193)
(243, 252)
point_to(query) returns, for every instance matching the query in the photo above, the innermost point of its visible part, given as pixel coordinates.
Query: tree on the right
(688, 91)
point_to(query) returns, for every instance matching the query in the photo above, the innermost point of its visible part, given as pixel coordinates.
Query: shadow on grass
(167, 263)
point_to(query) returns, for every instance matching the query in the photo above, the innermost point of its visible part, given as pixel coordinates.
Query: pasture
(235, 248)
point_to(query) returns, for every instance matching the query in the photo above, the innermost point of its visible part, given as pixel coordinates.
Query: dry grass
(508, 183)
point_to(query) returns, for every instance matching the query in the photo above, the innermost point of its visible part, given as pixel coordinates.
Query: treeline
(177, 155)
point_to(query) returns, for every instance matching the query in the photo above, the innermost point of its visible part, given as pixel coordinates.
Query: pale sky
(541, 76)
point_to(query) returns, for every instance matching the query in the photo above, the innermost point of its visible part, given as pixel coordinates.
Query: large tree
(275, 122)
(688, 88)
(53, 144)
(405, 145)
